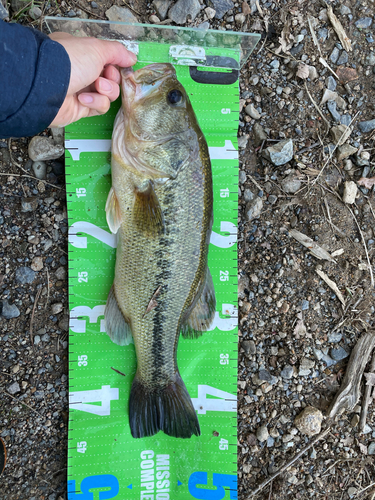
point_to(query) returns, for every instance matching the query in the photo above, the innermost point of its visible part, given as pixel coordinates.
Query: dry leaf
(346, 74)
(337, 26)
(314, 248)
(303, 71)
(370, 378)
(332, 285)
(286, 42)
(367, 182)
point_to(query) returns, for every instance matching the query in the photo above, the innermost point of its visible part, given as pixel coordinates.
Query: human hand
(94, 79)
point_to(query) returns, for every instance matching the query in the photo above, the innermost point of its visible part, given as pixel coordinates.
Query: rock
(40, 169)
(184, 10)
(344, 151)
(246, 9)
(291, 184)
(24, 275)
(249, 347)
(13, 388)
(331, 105)
(371, 448)
(348, 165)
(240, 19)
(154, 19)
(56, 308)
(124, 15)
(280, 153)
(364, 22)
(354, 421)
(29, 204)
(58, 135)
(309, 421)
(334, 55)
(253, 209)
(37, 264)
(44, 148)
(4, 14)
(210, 12)
(343, 59)
(338, 353)
(352, 492)
(258, 134)
(34, 12)
(350, 192)
(272, 199)
(251, 111)
(345, 120)
(333, 96)
(334, 337)
(58, 167)
(60, 273)
(262, 433)
(64, 323)
(9, 311)
(287, 372)
(370, 59)
(36, 339)
(161, 7)
(221, 7)
(306, 367)
(248, 195)
(367, 126)
(242, 176)
(331, 83)
(340, 134)
(313, 74)
(242, 141)
(275, 65)
(344, 10)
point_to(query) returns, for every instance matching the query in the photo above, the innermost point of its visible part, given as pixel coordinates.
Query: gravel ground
(300, 171)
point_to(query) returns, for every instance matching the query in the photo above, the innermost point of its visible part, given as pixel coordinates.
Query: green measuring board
(104, 461)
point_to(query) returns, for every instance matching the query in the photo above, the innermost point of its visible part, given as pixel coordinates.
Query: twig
(317, 108)
(289, 463)
(315, 40)
(89, 11)
(45, 305)
(117, 371)
(32, 318)
(326, 65)
(364, 489)
(255, 182)
(23, 403)
(366, 398)
(10, 174)
(131, 8)
(364, 244)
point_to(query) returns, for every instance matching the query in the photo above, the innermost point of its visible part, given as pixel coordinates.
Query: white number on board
(79, 325)
(225, 111)
(224, 193)
(218, 240)
(223, 445)
(81, 447)
(224, 275)
(80, 192)
(82, 277)
(80, 400)
(225, 324)
(79, 241)
(227, 401)
(82, 360)
(224, 359)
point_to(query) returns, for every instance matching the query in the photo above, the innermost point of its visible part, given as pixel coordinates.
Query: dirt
(289, 318)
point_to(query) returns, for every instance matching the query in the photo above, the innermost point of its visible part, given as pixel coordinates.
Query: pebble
(338, 353)
(344, 10)
(287, 372)
(210, 12)
(60, 273)
(370, 59)
(348, 165)
(280, 153)
(37, 264)
(36, 339)
(29, 204)
(240, 19)
(262, 433)
(334, 337)
(248, 195)
(242, 141)
(24, 275)
(94, 5)
(40, 169)
(13, 388)
(221, 7)
(354, 421)
(309, 421)
(305, 367)
(275, 64)
(57, 308)
(45, 337)
(4, 14)
(344, 151)
(352, 492)
(125, 15)
(253, 209)
(249, 347)
(367, 126)
(9, 311)
(340, 134)
(259, 135)
(364, 22)
(350, 192)
(184, 9)
(334, 55)
(331, 105)
(71, 13)
(35, 12)
(305, 305)
(371, 448)
(343, 59)
(331, 83)
(272, 199)
(251, 111)
(154, 19)
(44, 148)
(291, 184)
(161, 7)
(345, 120)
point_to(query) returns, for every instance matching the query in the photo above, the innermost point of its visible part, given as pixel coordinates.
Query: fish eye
(174, 96)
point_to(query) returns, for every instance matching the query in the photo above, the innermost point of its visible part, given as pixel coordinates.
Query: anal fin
(117, 327)
(147, 211)
(112, 211)
(202, 314)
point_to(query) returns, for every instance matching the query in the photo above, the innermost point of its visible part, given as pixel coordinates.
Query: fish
(161, 207)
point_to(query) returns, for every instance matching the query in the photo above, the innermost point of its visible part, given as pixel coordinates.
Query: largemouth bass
(160, 204)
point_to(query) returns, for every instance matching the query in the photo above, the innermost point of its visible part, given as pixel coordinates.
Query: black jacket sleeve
(34, 79)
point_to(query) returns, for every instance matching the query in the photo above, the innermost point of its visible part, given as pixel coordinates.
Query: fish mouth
(138, 84)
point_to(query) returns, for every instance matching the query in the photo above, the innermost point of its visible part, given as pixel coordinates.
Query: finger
(108, 88)
(96, 102)
(115, 53)
(112, 73)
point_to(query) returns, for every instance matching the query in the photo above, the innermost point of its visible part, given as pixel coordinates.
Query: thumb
(116, 53)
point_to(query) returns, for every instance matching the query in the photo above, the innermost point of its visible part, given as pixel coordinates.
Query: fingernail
(85, 98)
(105, 85)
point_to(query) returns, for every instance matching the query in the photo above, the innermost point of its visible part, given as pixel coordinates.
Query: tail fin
(168, 409)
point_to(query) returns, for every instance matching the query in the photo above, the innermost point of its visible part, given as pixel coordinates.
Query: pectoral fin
(112, 210)
(203, 313)
(117, 327)
(147, 212)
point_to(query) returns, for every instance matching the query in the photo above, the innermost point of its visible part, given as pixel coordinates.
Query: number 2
(224, 275)
(82, 277)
